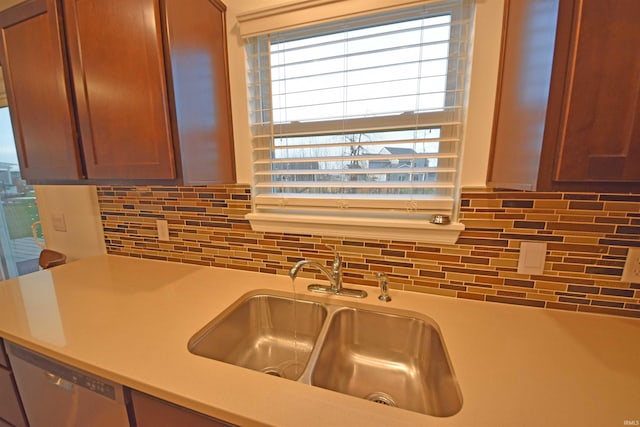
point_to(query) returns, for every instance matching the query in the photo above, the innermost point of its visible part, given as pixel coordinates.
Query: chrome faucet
(334, 275)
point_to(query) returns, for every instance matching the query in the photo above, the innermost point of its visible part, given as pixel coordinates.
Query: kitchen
(587, 236)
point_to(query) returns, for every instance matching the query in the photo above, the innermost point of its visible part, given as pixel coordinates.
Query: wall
(79, 206)
(587, 238)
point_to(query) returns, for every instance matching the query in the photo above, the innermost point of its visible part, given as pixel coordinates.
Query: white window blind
(361, 117)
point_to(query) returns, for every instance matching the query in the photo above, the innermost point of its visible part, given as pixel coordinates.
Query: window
(359, 121)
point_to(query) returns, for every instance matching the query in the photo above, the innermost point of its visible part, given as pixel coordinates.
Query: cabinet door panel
(529, 30)
(3, 357)
(39, 92)
(152, 412)
(196, 49)
(600, 133)
(10, 408)
(117, 63)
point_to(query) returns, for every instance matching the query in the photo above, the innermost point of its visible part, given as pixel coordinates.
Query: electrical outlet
(632, 266)
(163, 229)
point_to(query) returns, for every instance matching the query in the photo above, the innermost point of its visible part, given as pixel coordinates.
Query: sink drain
(382, 398)
(288, 369)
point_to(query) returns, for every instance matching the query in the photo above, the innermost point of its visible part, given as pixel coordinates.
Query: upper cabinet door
(117, 63)
(585, 136)
(35, 73)
(196, 58)
(527, 57)
(599, 133)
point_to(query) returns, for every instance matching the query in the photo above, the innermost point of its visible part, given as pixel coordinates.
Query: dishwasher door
(58, 395)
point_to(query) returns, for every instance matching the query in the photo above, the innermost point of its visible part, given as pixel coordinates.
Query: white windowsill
(367, 228)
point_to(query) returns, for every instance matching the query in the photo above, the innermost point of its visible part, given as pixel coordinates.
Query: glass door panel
(19, 251)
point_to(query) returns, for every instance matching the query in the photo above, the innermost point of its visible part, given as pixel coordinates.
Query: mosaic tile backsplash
(587, 235)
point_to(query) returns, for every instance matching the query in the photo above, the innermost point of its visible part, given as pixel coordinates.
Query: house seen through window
(360, 117)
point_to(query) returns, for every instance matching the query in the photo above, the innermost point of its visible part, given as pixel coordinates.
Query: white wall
(486, 52)
(79, 206)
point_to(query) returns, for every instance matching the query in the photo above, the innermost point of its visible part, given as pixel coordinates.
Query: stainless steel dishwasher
(58, 395)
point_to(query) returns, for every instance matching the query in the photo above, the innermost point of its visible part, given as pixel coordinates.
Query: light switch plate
(58, 222)
(532, 257)
(163, 229)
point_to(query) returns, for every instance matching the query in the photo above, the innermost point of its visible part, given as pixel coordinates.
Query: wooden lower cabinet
(11, 412)
(152, 412)
(10, 407)
(4, 360)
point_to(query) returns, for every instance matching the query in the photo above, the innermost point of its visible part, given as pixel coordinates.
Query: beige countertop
(129, 320)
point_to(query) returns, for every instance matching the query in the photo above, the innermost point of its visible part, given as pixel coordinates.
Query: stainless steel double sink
(393, 359)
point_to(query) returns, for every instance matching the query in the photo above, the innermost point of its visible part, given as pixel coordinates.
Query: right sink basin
(389, 359)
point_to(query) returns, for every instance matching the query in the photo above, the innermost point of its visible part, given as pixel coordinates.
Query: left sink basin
(266, 333)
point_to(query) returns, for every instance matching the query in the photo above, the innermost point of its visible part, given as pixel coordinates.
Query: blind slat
(366, 207)
(379, 144)
(401, 121)
(379, 124)
(356, 158)
(418, 204)
(324, 42)
(353, 184)
(355, 55)
(305, 104)
(356, 171)
(386, 70)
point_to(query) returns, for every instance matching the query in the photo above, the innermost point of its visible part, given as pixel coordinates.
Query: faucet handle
(337, 258)
(337, 261)
(384, 287)
(331, 248)
(336, 268)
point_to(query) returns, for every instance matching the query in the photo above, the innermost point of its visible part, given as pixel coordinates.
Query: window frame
(326, 220)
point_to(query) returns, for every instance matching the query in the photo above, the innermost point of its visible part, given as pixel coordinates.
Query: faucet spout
(293, 273)
(334, 275)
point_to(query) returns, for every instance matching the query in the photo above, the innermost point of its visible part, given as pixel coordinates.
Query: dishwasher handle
(59, 381)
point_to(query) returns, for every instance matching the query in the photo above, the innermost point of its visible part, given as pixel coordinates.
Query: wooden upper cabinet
(150, 99)
(599, 134)
(585, 135)
(39, 92)
(117, 63)
(195, 37)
